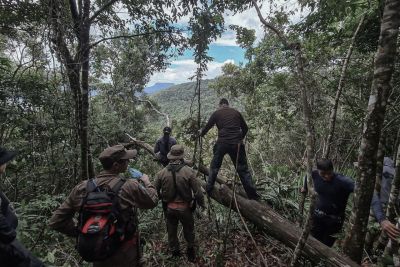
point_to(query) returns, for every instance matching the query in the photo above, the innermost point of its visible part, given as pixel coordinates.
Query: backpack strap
(117, 187)
(173, 170)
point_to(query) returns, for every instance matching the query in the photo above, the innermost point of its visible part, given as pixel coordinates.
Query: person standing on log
(12, 252)
(333, 190)
(163, 146)
(380, 200)
(232, 129)
(180, 192)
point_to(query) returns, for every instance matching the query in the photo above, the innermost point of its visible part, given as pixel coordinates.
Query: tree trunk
(384, 62)
(77, 69)
(84, 61)
(379, 163)
(372, 233)
(333, 114)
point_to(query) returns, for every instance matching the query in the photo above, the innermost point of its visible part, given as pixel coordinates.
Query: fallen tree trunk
(270, 221)
(280, 228)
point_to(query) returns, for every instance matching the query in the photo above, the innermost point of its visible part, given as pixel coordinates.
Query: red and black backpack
(101, 226)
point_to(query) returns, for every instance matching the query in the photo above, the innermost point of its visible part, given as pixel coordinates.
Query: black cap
(6, 156)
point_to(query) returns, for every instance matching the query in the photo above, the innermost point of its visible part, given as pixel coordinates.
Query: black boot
(191, 255)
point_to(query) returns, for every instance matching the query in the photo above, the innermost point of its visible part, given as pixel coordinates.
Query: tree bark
(381, 87)
(333, 114)
(84, 62)
(379, 163)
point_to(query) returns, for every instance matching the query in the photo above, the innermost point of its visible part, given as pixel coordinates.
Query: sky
(224, 49)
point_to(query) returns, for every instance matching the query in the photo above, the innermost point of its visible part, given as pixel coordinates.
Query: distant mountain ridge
(177, 100)
(157, 87)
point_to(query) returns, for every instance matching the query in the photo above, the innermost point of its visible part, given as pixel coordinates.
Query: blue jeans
(239, 157)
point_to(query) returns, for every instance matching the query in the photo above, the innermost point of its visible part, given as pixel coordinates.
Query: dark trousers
(185, 217)
(220, 150)
(324, 227)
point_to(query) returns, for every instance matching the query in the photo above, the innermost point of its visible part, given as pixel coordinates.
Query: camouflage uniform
(177, 197)
(131, 196)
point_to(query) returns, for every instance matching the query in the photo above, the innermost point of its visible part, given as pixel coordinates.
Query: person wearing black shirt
(232, 129)
(333, 190)
(163, 146)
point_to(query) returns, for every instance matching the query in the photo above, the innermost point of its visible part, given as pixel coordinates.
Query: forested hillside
(180, 101)
(319, 88)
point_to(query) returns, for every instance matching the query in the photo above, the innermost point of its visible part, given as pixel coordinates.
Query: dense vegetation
(59, 124)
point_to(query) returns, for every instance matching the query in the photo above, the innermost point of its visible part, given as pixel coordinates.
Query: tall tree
(73, 24)
(380, 90)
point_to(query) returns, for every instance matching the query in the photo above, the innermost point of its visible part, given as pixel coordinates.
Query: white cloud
(228, 38)
(181, 70)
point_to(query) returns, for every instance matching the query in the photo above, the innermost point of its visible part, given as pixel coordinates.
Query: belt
(175, 205)
(321, 213)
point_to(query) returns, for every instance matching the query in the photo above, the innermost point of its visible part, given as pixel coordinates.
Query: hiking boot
(191, 255)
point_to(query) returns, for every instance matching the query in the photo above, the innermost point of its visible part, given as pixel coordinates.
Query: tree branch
(127, 36)
(332, 117)
(75, 16)
(269, 25)
(98, 12)
(156, 110)
(74, 11)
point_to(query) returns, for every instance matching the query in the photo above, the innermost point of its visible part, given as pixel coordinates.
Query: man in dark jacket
(132, 195)
(232, 129)
(12, 253)
(178, 187)
(333, 191)
(163, 146)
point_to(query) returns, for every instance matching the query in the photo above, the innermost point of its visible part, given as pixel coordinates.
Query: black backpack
(101, 227)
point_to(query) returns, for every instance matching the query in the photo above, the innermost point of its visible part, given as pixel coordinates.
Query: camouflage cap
(117, 152)
(176, 152)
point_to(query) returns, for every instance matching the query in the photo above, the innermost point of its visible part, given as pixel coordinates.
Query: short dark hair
(224, 101)
(167, 129)
(325, 165)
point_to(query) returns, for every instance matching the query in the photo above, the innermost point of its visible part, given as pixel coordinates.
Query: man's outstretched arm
(209, 125)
